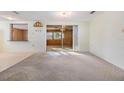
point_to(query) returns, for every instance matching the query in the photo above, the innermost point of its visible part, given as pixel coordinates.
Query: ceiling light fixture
(38, 24)
(65, 14)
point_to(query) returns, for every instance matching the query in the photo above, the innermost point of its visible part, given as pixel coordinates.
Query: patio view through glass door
(59, 36)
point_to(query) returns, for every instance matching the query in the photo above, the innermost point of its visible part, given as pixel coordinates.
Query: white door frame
(62, 41)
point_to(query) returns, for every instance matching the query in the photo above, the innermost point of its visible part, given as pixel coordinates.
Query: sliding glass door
(59, 36)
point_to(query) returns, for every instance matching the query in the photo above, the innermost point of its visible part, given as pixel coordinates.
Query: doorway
(59, 37)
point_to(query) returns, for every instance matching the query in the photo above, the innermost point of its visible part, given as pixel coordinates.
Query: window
(54, 35)
(57, 35)
(19, 32)
(49, 35)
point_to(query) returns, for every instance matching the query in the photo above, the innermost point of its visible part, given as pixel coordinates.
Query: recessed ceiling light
(65, 14)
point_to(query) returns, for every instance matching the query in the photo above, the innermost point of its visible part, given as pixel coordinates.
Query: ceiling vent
(92, 12)
(15, 12)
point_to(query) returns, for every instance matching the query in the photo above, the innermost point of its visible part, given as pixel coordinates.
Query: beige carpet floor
(8, 59)
(63, 66)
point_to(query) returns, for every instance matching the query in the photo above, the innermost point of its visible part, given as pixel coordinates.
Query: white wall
(83, 33)
(35, 43)
(37, 40)
(83, 37)
(1, 40)
(107, 38)
(75, 38)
